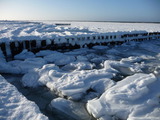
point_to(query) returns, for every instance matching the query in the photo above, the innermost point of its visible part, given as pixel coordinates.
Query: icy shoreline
(14, 106)
(115, 82)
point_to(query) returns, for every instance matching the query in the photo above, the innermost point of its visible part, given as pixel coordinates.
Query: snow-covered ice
(21, 30)
(120, 82)
(79, 65)
(14, 106)
(24, 55)
(75, 84)
(135, 97)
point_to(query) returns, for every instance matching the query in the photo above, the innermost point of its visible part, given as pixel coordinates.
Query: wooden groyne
(10, 49)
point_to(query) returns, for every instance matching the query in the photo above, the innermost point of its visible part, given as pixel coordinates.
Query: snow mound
(14, 106)
(135, 97)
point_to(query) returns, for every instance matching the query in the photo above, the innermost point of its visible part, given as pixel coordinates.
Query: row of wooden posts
(10, 49)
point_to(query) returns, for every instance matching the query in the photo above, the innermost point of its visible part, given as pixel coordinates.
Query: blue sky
(95, 10)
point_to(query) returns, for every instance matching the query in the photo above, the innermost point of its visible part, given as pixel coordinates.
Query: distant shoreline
(83, 21)
(97, 21)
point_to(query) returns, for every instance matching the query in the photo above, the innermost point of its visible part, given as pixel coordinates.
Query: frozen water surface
(112, 82)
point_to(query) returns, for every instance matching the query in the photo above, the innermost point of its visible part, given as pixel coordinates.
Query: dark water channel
(42, 96)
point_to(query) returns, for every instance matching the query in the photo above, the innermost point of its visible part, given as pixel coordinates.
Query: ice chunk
(31, 63)
(59, 58)
(5, 67)
(135, 97)
(78, 66)
(72, 85)
(24, 55)
(43, 53)
(41, 76)
(81, 58)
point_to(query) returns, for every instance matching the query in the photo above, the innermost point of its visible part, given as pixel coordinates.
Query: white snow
(135, 97)
(21, 30)
(14, 106)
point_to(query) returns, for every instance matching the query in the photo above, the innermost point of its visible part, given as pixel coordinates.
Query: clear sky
(95, 10)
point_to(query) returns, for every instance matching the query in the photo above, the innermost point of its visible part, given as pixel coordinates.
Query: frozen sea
(104, 82)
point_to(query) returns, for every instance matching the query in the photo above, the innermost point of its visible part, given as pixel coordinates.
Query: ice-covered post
(8, 50)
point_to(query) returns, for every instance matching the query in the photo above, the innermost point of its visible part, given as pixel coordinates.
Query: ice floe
(135, 97)
(75, 84)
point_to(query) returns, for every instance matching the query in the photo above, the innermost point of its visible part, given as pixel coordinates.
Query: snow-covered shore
(14, 106)
(22, 30)
(115, 82)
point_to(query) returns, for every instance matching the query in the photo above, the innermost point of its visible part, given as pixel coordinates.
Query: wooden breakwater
(10, 49)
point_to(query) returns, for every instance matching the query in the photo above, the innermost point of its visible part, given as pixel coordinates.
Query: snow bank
(14, 106)
(135, 97)
(19, 31)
